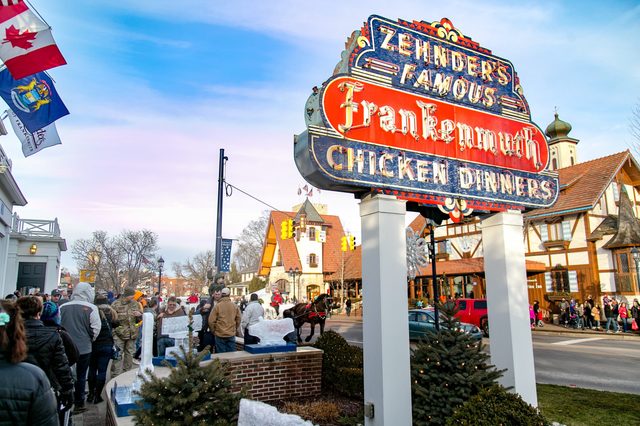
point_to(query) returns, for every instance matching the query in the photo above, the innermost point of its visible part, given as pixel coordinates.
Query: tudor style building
(583, 245)
(299, 267)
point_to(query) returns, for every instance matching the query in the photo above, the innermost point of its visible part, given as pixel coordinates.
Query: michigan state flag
(33, 99)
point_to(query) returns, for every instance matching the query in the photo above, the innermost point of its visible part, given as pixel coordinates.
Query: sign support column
(387, 376)
(508, 302)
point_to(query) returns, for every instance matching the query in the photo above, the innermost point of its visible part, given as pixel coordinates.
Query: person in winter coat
(612, 319)
(224, 322)
(635, 314)
(26, 397)
(623, 311)
(252, 314)
(102, 350)
(276, 301)
(81, 319)
(46, 350)
(205, 336)
(50, 317)
(172, 310)
(597, 315)
(124, 335)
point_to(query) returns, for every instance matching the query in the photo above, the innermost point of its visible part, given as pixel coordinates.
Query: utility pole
(218, 253)
(434, 277)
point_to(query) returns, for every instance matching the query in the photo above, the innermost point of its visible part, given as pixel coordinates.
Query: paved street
(597, 361)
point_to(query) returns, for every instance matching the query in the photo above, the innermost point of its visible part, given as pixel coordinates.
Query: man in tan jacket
(224, 322)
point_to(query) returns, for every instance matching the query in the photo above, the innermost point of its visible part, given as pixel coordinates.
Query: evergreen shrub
(495, 406)
(447, 369)
(341, 365)
(192, 394)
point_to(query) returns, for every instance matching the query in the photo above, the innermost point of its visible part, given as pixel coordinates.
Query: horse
(314, 313)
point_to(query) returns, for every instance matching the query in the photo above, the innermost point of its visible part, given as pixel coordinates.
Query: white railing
(35, 227)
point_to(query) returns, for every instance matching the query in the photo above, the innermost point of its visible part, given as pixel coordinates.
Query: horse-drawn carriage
(314, 312)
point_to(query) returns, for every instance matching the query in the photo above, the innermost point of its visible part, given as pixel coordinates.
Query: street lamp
(293, 273)
(636, 257)
(160, 266)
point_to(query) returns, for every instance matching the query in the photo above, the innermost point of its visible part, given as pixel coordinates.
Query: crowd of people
(55, 350)
(607, 315)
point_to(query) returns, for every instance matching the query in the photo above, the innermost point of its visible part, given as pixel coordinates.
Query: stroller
(575, 321)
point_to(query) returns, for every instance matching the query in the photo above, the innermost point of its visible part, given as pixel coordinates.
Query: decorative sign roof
(423, 112)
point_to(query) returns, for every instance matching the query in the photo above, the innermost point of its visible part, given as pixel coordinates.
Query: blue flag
(225, 261)
(33, 99)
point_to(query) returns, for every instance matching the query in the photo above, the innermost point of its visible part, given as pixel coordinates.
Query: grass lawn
(577, 407)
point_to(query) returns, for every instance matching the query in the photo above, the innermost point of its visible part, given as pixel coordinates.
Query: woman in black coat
(26, 397)
(46, 350)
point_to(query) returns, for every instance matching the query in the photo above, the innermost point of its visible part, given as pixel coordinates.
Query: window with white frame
(558, 231)
(312, 260)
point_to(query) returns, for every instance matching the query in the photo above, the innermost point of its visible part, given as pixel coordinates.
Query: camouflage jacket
(127, 328)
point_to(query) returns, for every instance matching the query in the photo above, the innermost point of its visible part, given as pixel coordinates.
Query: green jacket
(127, 328)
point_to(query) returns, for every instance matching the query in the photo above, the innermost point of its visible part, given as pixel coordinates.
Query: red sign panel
(381, 115)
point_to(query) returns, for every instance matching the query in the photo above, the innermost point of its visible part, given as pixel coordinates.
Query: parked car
(422, 320)
(473, 311)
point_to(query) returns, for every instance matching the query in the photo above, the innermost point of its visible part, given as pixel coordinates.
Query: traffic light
(290, 233)
(283, 230)
(343, 243)
(352, 242)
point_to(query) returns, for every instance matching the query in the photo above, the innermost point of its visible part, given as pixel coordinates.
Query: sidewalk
(550, 329)
(95, 415)
(355, 316)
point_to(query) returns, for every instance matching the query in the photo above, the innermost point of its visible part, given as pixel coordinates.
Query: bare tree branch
(195, 270)
(119, 261)
(251, 240)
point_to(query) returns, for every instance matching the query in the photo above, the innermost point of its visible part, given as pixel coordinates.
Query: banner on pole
(225, 260)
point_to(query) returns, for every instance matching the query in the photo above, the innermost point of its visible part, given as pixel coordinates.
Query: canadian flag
(26, 44)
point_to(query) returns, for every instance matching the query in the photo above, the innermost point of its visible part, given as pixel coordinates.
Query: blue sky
(156, 88)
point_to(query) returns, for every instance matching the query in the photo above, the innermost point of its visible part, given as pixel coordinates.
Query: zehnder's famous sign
(423, 112)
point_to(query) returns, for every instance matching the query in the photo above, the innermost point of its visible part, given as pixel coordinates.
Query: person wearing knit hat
(50, 317)
(50, 313)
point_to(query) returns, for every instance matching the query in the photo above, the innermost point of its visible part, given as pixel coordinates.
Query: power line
(255, 198)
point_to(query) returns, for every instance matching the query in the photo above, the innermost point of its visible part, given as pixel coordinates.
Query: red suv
(473, 311)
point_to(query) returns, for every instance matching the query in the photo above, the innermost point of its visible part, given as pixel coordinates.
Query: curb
(576, 333)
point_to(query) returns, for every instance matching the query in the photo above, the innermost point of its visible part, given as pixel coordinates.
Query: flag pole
(218, 252)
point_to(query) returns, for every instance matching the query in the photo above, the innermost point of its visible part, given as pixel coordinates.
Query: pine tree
(192, 394)
(447, 368)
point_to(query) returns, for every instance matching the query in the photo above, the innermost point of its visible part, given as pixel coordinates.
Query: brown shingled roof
(352, 266)
(582, 185)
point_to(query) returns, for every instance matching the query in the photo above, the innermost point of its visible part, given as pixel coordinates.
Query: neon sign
(423, 112)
